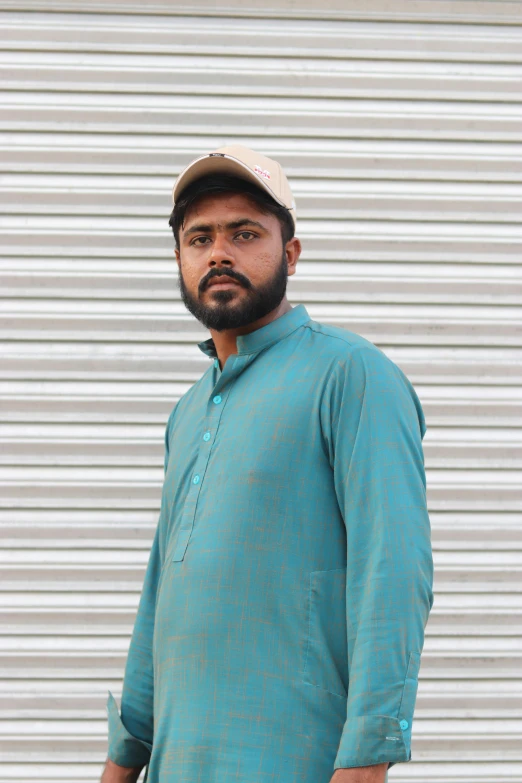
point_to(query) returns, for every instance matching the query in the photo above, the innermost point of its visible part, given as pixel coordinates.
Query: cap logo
(262, 172)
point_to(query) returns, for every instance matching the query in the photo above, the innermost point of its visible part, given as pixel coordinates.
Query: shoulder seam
(345, 340)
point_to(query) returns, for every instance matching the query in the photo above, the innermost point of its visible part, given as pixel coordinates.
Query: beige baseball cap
(241, 162)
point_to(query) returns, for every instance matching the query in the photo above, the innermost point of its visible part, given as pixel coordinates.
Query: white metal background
(399, 124)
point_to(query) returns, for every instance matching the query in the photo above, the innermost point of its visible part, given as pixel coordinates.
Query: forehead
(225, 207)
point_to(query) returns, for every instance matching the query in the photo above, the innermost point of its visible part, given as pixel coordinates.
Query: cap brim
(223, 164)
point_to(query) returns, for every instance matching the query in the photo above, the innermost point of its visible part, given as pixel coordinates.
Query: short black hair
(217, 184)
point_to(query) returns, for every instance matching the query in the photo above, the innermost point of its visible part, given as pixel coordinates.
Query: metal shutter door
(400, 127)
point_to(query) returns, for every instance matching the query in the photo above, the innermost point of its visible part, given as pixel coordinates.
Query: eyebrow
(206, 228)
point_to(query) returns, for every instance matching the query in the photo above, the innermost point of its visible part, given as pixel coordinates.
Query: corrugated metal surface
(400, 127)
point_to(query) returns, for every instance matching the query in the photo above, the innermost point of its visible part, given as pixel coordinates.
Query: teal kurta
(282, 617)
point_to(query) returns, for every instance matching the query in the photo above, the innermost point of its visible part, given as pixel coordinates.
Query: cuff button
(404, 724)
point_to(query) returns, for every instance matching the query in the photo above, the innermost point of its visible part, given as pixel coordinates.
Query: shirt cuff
(373, 739)
(124, 749)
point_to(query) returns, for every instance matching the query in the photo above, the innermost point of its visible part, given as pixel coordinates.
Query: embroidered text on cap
(262, 172)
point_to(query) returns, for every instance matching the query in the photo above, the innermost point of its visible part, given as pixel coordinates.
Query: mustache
(237, 276)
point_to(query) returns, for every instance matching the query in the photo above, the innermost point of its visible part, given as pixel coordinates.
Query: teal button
(206, 436)
(216, 362)
(195, 480)
(404, 724)
(217, 399)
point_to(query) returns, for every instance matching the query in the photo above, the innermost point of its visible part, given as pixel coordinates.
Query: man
(280, 628)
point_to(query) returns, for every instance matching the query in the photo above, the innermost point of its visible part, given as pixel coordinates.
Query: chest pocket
(326, 649)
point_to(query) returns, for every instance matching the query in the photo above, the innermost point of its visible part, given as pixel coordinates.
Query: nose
(221, 253)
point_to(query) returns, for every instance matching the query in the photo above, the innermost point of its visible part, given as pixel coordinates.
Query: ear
(292, 251)
(178, 257)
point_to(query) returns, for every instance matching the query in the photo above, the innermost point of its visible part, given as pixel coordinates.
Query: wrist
(375, 773)
(113, 773)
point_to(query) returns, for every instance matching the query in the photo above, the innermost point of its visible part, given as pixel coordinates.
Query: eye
(199, 241)
(247, 236)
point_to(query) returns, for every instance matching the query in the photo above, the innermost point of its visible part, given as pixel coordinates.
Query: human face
(233, 268)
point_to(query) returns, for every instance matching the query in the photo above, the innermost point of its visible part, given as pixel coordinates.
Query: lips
(222, 280)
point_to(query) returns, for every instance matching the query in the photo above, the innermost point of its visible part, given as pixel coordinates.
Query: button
(206, 436)
(195, 480)
(217, 399)
(216, 362)
(404, 724)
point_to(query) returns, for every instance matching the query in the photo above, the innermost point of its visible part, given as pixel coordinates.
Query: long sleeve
(131, 735)
(374, 434)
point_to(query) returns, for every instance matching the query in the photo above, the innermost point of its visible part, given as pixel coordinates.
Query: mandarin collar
(267, 335)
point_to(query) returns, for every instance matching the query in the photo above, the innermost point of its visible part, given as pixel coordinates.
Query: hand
(113, 773)
(375, 773)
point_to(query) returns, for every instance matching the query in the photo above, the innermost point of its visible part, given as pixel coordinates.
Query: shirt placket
(211, 423)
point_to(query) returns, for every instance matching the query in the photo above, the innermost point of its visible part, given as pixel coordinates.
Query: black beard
(224, 313)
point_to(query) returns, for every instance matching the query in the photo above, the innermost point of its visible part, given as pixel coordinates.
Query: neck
(226, 340)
